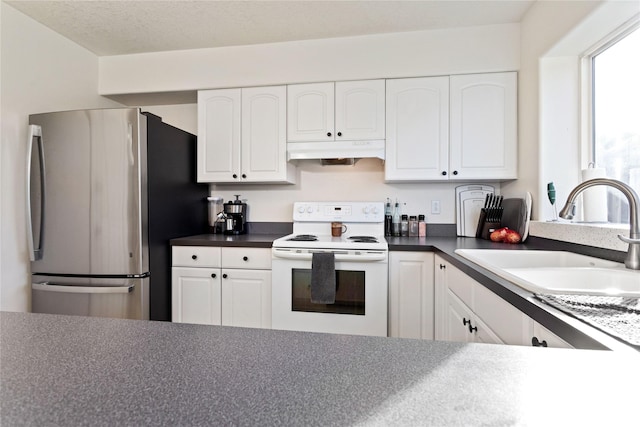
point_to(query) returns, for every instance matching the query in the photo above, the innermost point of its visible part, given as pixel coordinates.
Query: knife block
(485, 227)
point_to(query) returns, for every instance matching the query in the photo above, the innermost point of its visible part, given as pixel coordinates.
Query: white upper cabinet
(242, 136)
(310, 114)
(218, 135)
(360, 110)
(483, 137)
(353, 110)
(417, 143)
(452, 128)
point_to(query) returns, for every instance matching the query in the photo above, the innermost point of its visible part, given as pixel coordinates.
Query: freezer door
(94, 208)
(118, 298)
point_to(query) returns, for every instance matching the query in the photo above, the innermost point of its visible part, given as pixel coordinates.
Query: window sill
(597, 235)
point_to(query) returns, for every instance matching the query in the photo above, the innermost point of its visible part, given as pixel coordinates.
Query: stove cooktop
(328, 241)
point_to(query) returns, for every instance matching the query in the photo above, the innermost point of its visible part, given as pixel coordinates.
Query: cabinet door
(411, 295)
(219, 135)
(483, 129)
(456, 319)
(417, 143)
(195, 295)
(264, 140)
(483, 333)
(508, 323)
(310, 112)
(360, 110)
(246, 298)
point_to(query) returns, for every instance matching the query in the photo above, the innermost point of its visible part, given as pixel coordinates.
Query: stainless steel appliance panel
(119, 298)
(94, 197)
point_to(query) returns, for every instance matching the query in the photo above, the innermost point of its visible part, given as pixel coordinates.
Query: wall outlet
(435, 207)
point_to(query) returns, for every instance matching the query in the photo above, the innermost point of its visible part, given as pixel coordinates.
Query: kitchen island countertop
(71, 370)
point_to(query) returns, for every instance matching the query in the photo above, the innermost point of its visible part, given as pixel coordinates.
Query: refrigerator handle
(35, 253)
(50, 287)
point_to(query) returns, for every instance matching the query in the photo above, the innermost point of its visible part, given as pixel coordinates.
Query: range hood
(336, 150)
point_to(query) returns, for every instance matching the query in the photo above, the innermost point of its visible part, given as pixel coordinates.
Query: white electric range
(361, 268)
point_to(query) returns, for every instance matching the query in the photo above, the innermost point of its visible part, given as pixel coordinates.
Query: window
(615, 109)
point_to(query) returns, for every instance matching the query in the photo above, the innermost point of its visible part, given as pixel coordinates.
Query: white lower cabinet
(221, 286)
(195, 295)
(467, 311)
(246, 298)
(411, 295)
(195, 285)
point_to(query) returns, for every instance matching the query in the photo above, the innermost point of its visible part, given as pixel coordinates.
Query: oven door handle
(306, 256)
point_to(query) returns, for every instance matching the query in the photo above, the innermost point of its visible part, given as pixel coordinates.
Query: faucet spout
(632, 260)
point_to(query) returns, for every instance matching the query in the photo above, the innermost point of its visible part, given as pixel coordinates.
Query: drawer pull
(245, 258)
(537, 343)
(213, 275)
(224, 276)
(194, 257)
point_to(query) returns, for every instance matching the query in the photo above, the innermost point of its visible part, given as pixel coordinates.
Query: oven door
(361, 293)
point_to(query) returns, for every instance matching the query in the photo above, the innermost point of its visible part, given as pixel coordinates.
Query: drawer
(250, 258)
(195, 256)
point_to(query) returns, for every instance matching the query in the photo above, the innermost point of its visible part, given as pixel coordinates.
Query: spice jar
(413, 226)
(422, 226)
(404, 226)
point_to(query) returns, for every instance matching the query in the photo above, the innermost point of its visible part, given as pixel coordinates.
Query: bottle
(422, 226)
(396, 220)
(413, 226)
(404, 226)
(388, 219)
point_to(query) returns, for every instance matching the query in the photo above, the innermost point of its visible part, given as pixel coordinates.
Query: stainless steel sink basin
(558, 272)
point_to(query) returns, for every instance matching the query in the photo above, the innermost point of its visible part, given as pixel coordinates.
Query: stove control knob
(301, 209)
(310, 209)
(374, 210)
(366, 210)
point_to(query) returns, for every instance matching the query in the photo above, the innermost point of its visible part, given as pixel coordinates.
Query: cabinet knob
(213, 275)
(194, 257)
(444, 173)
(455, 172)
(537, 343)
(328, 133)
(235, 176)
(244, 175)
(466, 322)
(339, 133)
(472, 329)
(245, 258)
(443, 266)
(224, 276)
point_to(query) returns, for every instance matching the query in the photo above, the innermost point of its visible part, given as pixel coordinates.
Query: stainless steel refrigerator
(108, 189)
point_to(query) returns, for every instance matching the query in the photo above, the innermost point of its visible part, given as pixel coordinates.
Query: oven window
(349, 293)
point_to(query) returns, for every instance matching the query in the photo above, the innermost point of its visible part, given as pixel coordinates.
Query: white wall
(40, 71)
(420, 53)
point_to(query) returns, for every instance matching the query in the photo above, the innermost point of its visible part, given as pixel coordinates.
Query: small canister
(422, 226)
(413, 226)
(404, 225)
(215, 214)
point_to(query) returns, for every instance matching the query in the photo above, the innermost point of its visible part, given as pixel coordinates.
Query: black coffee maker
(236, 216)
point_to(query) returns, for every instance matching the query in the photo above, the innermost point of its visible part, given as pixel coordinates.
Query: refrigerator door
(118, 298)
(94, 206)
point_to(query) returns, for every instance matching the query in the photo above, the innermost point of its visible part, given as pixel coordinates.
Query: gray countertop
(72, 370)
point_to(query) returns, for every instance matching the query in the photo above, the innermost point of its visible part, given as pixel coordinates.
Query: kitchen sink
(558, 272)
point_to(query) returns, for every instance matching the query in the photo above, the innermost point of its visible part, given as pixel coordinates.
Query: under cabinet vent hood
(336, 150)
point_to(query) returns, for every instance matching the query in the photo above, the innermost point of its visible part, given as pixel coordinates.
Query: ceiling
(129, 27)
